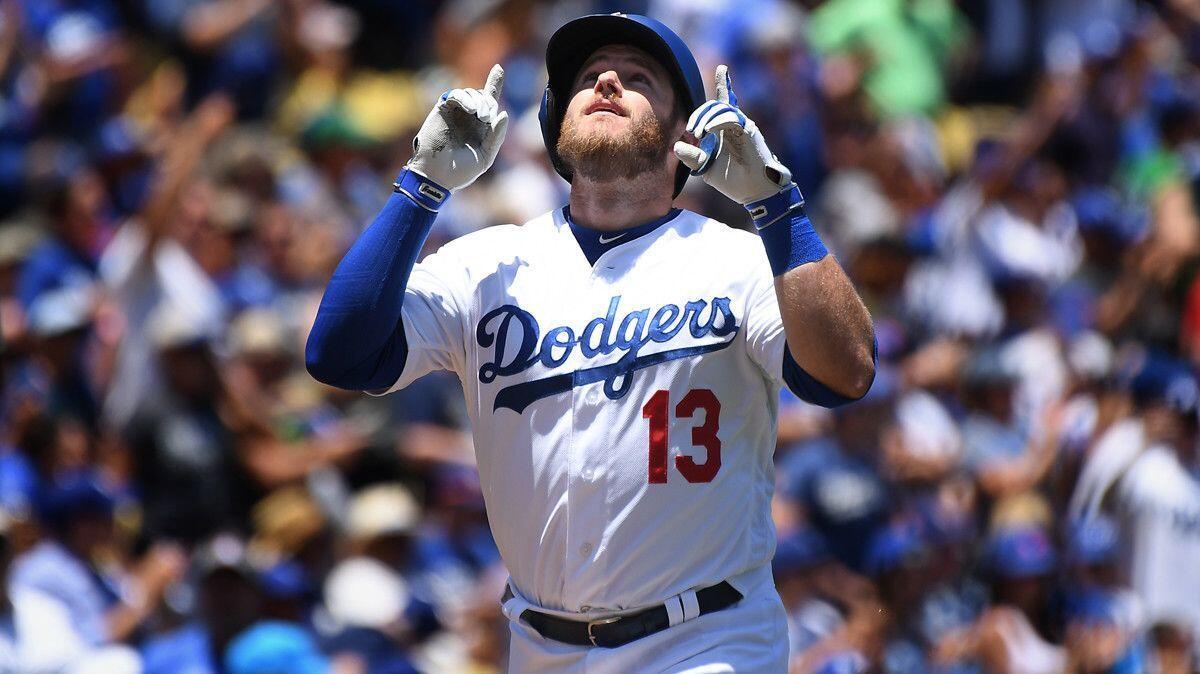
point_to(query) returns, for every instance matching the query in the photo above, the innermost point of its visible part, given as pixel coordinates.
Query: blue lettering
(513, 334)
(551, 340)
(728, 322)
(719, 304)
(632, 342)
(661, 329)
(692, 310)
(605, 325)
(529, 339)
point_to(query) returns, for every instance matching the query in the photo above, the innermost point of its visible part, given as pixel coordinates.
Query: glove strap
(426, 193)
(787, 233)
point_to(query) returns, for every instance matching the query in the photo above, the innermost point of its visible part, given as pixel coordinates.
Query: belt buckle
(602, 621)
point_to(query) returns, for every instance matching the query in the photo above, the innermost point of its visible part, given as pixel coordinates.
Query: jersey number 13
(704, 435)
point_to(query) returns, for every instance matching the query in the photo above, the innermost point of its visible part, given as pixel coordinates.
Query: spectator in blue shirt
(77, 208)
(77, 510)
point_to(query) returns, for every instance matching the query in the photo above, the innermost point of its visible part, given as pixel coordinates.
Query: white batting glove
(462, 134)
(732, 156)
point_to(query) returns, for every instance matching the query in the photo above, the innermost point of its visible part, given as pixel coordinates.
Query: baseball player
(621, 358)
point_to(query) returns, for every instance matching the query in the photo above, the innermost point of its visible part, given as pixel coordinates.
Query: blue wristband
(787, 233)
(426, 193)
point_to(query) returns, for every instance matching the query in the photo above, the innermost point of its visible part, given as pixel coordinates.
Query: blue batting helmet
(576, 40)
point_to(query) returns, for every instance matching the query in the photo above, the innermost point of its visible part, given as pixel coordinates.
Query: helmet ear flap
(551, 122)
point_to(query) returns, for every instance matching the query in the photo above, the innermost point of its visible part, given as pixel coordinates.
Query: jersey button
(588, 474)
(593, 396)
(585, 549)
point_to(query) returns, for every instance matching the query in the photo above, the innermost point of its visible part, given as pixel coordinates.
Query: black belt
(620, 630)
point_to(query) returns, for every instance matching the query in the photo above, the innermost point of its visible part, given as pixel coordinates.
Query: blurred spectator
(226, 602)
(366, 604)
(40, 636)
(274, 647)
(105, 603)
(69, 256)
(1148, 481)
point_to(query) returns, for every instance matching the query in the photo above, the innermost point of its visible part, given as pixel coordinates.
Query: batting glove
(462, 134)
(732, 155)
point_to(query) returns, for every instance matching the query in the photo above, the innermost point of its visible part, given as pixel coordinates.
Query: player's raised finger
(724, 85)
(495, 82)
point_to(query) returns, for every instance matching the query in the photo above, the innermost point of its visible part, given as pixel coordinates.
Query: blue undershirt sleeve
(807, 388)
(357, 341)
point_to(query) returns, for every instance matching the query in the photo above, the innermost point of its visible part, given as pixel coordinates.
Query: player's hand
(732, 155)
(462, 134)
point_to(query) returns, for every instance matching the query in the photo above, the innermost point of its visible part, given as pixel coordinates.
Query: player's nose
(608, 84)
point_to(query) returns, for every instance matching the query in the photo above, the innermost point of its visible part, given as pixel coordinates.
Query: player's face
(618, 83)
(621, 120)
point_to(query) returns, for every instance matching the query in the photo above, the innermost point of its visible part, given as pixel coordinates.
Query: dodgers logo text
(517, 344)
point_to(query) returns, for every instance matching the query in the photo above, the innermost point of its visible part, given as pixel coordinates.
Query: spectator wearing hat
(186, 451)
(59, 323)
(799, 557)
(1099, 639)
(899, 559)
(1011, 635)
(82, 50)
(832, 610)
(287, 591)
(366, 614)
(206, 448)
(1008, 455)
(275, 648)
(381, 521)
(1057, 231)
(293, 531)
(956, 597)
(1092, 404)
(297, 433)
(38, 635)
(69, 257)
(381, 524)
(1108, 227)
(77, 513)
(224, 600)
(1142, 473)
(1096, 596)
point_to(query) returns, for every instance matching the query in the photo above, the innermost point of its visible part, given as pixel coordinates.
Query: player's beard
(601, 155)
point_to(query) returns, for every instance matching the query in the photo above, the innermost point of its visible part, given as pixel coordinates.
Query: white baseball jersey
(1157, 502)
(623, 413)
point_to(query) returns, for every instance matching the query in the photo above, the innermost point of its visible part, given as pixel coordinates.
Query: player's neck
(619, 204)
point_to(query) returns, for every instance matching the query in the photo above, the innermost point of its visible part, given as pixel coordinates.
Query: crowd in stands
(1011, 184)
